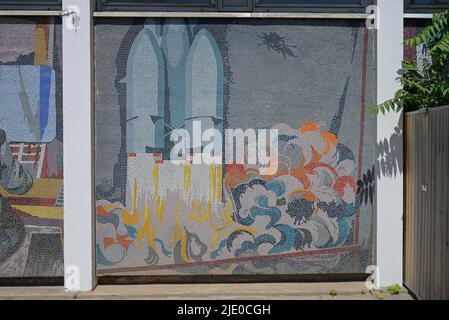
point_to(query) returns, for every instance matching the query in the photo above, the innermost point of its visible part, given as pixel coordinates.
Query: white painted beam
(418, 16)
(389, 202)
(79, 218)
(258, 15)
(29, 13)
(79, 222)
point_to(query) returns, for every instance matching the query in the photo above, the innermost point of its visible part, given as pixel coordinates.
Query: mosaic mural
(417, 54)
(31, 172)
(314, 215)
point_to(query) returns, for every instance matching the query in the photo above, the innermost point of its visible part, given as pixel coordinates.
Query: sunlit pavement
(253, 291)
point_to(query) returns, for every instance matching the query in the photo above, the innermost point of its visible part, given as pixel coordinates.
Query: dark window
(429, 2)
(312, 5)
(236, 5)
(158, 5)
(426, 5)
(311, 2)
(31, 4)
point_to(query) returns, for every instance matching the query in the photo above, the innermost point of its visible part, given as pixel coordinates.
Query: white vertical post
(79, 222)
(389, 202)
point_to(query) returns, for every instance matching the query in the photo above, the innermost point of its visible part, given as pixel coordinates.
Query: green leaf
(428, 85)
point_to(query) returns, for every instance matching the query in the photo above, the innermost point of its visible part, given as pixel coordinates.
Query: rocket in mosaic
(156, 216)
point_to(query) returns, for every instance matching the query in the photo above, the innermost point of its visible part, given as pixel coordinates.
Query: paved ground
(297, 291)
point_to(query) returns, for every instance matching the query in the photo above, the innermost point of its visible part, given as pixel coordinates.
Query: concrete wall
(241, 232)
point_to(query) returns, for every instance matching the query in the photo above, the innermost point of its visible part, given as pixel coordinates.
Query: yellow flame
(199, 211)
(203, 218)
(177, 234)
(227, 215)
(131, 219)
(216, 237)
(187, 179)
(147, 230)
(184, 248)
(160, 208)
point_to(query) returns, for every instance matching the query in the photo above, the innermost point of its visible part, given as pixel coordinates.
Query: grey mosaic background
(311, 79)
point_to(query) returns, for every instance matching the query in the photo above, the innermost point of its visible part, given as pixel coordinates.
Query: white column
(389, 203)
(79, 218)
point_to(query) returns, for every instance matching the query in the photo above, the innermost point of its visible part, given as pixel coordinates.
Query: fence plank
(426, 222)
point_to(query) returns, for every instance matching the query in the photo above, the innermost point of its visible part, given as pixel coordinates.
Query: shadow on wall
(389, 155)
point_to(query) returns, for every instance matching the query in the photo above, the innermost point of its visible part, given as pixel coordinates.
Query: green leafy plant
(333, 292)
(425, 87)
(394, 289)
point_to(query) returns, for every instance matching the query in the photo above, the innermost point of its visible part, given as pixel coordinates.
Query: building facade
(92, 93)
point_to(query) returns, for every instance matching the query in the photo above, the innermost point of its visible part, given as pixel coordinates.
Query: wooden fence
(426, 223)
